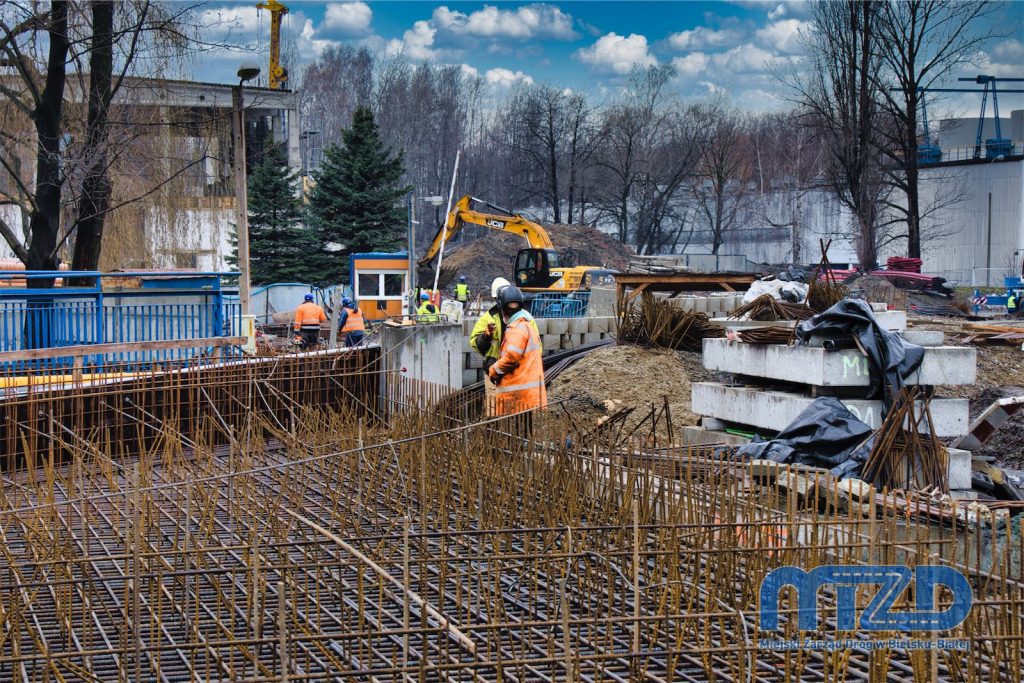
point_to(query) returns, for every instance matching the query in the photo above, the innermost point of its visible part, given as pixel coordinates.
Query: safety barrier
(560, 305)
(112, 308)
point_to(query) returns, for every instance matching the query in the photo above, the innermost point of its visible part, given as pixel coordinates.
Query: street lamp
(246, 72)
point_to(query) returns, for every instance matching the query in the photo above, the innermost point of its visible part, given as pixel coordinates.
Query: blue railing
(153, 306)
(560, 305)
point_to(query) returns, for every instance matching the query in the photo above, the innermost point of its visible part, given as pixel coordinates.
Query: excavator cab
(534, 266)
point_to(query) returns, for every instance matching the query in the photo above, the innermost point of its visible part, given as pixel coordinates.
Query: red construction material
(903, 264)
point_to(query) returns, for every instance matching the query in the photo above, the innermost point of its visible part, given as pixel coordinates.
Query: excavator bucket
(425, 276)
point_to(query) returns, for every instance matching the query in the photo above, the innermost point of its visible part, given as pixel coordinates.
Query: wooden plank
(98, 349)
(981, 327)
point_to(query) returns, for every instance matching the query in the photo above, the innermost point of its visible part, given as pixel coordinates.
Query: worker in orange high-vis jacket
(308, 317)
(519, 370)
(351, 322)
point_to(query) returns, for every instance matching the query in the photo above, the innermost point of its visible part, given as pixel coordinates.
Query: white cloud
(617, 54)
(525, 22)
(417, 43)
(692, 64)
(779, 11)
(702, 38)
(351, 18)
(783, 35)
(309, 45)
(221, 22)
(506, 78)
(469, 71)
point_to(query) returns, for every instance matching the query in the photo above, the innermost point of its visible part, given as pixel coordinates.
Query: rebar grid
(325, 546)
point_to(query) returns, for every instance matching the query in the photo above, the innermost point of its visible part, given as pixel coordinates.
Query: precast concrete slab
(925, 337)
(815, 366)
(729, 324)
(775, 410)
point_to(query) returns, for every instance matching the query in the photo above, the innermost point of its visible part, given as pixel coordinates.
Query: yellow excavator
(539, 269)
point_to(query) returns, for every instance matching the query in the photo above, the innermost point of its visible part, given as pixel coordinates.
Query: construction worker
(485, 339)
(308, 317)
(350, 323)
(519, 371)
(1011, 304)
(427, 311)
(462, 291)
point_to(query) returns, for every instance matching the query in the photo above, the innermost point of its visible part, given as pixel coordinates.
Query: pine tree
(356, 203)
(281, 248)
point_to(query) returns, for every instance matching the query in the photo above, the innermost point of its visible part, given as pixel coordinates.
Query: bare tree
(838, 94)
(70, 178)
(720, 182)
(920, 42)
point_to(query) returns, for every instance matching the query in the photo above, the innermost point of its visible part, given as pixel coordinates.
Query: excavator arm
(462, 215)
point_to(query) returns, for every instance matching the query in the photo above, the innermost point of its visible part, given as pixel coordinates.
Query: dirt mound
(493, 255)
(633, 376)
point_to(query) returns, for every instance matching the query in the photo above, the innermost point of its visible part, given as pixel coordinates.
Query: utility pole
(241, 198)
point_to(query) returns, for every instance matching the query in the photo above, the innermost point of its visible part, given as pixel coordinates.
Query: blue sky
(581, 45)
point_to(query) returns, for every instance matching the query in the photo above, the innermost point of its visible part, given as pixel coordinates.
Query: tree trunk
(553, 162)
(911, 170)
(95, 199)
(45, 220)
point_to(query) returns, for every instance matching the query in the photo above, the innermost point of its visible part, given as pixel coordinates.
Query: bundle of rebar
(766, 335)
(662, 325)
(825, 291)
(906, 454)
(767, 308)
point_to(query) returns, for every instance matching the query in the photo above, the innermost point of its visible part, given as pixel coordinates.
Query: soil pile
(633, 377)
(493, 255)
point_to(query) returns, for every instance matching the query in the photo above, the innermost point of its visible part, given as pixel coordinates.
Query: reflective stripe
(518, 387)
(511, 347)
(533, 347)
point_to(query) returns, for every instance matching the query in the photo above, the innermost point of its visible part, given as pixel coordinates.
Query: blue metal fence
(163, 307)
(560, 305)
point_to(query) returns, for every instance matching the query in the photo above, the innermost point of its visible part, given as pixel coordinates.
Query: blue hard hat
(424, 296)
(462, 278)
(346, 302)
(308, 297)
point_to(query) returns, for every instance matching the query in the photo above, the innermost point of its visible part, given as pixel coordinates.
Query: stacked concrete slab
(556, 334)
(775, 382)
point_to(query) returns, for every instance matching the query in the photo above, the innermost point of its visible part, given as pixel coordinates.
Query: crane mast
(278, 74)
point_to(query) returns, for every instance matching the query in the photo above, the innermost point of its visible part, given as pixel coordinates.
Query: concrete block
(963, 494)
(558, 326)
(602, 301)
(700, 305)
(467, 325)
(892, 320)
(698, 436)
(542, 326)
(591, 337)
(942, 365)
(579, 339)
(550, 342)
(774, 410)
(855, 496)
(878, 307)
(712, 424)
(687, 303)
(959, 469)
(924, 337)
(598, 325)
(578, 325)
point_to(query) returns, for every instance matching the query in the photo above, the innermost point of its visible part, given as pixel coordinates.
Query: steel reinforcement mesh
(316, 543)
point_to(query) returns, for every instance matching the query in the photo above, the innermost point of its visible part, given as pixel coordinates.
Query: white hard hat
(498, 283)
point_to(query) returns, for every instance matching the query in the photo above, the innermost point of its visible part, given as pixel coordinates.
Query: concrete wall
(959, 248)
(431, 353)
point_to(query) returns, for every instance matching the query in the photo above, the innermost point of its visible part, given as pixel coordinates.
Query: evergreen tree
(281, 248)
(357, 202)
